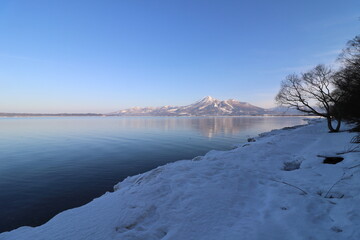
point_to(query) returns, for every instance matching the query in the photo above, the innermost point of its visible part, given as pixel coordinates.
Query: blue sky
(102, 56)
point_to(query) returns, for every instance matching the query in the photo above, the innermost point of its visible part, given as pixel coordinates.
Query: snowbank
(274, 188)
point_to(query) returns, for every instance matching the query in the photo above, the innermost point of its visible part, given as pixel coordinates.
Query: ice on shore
(274, 188)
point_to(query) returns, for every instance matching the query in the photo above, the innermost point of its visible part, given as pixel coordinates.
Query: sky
(101, 56)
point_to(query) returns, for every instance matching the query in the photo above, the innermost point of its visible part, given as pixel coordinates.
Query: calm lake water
(51, 164)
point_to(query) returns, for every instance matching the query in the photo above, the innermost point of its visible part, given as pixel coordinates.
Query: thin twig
(305, 193)
(350, 149)
(354, 166)
(334, 185)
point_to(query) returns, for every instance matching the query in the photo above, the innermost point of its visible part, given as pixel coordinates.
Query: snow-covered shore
(244, 193)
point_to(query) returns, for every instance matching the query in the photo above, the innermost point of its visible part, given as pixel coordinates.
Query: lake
(50, 164)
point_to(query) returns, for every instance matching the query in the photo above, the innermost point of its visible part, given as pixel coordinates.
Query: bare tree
(312, 92)
(350, 56)
(347, 80)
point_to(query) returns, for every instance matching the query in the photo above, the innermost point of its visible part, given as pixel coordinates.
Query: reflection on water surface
(51, 164)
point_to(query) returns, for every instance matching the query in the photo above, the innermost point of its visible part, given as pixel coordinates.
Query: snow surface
(244, 193)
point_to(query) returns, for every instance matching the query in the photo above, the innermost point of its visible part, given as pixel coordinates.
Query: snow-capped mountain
(208, 106)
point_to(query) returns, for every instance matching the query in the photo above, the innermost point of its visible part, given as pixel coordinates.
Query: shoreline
(190, 116)
(178, 191)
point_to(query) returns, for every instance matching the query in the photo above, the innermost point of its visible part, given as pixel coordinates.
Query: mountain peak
(208, 99)
(208, 106)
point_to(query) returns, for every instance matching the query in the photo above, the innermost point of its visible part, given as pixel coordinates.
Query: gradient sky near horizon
(102, 56)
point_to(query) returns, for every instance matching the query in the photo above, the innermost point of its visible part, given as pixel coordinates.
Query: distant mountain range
(281, 110)
(51, 115)
(208, 106)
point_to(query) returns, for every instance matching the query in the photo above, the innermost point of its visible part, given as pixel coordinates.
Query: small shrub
(290, 166)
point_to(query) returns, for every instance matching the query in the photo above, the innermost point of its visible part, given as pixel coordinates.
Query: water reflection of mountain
(210, 127)
(207, 126)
